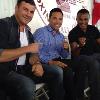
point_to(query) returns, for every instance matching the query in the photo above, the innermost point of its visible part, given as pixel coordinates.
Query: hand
(66, 45)
(75, 49)
(98, 41)
(74, 45)
(82, 41)
(37, 69)
(58, 63)
(33, 48)
(34, 59)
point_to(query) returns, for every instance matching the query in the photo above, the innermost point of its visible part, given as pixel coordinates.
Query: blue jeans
(60, 82)
(53, 77)
(83, 65)
(19, 87)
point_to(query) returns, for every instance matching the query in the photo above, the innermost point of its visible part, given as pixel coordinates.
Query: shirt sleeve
(97, 33)
(72, 37)
(63, 53)
(3, 35)
(39, 37)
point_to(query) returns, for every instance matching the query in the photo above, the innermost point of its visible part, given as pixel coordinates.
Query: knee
(68, 73)
(58, 73)
(92, 64)
(26, 88)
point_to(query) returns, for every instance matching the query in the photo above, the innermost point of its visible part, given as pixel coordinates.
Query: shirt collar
(51, 30)
(16, 23)
(82, 30)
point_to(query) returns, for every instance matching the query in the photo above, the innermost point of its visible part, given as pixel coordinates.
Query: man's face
(82, 21)
(56, 20)
(24, 13)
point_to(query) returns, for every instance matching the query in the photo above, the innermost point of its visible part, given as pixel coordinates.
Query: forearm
(11, 54)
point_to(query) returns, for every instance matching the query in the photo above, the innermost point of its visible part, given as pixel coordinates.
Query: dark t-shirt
(91, 35)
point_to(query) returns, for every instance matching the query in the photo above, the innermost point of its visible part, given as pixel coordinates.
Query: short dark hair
(83, 11)
(55, 10)
(27, 1)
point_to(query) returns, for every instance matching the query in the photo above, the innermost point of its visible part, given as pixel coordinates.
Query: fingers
(66, 45)
(38, 70)
(82, 41)
(38, 73)
(61, 64)
(58, 63)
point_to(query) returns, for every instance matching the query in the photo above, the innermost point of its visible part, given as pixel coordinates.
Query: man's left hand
(37, 69)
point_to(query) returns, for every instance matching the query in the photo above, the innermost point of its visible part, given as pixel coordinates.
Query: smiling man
(85, 42)
(52, 53)
(16, 46)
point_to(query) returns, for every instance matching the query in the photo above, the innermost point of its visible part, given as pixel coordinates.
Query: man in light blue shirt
(52, 52)
(52, 44)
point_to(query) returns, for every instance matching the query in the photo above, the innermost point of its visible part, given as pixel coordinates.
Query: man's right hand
(58, 63)
(82, 41)
(37, 69)
(12, 54)
(33, 48)
(74, 45)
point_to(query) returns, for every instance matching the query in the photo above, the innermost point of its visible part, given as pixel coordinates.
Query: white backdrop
(69, 7)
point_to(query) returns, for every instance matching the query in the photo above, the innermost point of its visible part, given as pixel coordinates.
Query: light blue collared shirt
(52, 44)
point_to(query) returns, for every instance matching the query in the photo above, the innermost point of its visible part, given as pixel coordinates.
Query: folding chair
(87, 88)
(41, 92)
(85, 92)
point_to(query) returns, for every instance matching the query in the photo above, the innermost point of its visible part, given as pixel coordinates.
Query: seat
(87, 88)
(85, 92)
(41, 92)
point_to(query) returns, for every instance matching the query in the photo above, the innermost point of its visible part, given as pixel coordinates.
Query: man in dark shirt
(83, 40)
(15, 53)
(20, 67)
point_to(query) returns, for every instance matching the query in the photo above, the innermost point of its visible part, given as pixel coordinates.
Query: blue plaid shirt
(52, 46)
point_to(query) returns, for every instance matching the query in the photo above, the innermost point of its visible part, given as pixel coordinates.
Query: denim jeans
(83, 65)
(19, 87)
(53, 77)
(21, 84)
(61, 81)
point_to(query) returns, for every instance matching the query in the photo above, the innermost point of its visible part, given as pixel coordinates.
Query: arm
(41, 37)
(37, 68)
(73, 41)
(98, 40)
(8, 54)
(75, 50)
(97, 35)
(11, 54)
